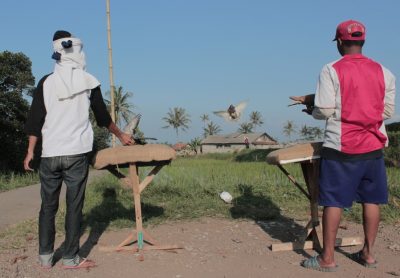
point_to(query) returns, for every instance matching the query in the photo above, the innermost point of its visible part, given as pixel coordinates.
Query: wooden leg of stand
(129, 246)
(313, 238)
(148, 238)
(139, 235)
(311, 177)
(133, 172)
(308, 245)
(132, 238)
(128, 240)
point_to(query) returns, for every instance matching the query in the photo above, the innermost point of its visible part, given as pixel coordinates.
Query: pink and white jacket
(354, 95)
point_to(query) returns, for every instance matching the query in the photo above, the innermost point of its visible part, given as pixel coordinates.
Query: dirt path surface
(24, 203)
(212, 248)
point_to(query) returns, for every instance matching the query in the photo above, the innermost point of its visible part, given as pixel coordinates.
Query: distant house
(237, 142)
(179, 146)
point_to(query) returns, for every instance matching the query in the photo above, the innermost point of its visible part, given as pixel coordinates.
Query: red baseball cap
(347, 29)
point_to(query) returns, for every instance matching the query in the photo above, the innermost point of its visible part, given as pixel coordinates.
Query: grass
(189, 188)
(12, 180)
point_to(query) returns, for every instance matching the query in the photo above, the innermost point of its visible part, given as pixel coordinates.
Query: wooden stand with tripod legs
(156, 156)
(308, 156)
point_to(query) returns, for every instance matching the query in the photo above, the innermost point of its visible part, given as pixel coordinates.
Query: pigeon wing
(240, 108)
(132, 125)
(223, 114)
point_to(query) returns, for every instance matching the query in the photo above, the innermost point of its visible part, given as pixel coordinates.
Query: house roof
(260, 138)
(179, 146)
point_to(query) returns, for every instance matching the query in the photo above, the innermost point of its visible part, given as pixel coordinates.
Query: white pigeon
(233, 113)
(130, 128)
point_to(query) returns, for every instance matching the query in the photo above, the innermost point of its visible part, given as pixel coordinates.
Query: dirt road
(24, 203)
(212, 248)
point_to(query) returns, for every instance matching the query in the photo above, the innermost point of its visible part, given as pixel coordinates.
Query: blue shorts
(342, 182)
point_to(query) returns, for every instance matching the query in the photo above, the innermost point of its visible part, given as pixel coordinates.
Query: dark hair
(60, 34)
(353, 43)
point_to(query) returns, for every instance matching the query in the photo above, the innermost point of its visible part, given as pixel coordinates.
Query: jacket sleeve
(37, 112)
(103, 118)
(325, 95)
(390, 91)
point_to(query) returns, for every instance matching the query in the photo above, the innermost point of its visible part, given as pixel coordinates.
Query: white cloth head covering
(70, 76)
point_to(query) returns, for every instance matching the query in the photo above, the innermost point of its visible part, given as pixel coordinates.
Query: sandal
(357, 257)
(83, 263)
(44, 267)
(313, 263)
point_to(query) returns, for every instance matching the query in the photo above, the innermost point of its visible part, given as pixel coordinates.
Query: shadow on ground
(267, 215)
(100, 217)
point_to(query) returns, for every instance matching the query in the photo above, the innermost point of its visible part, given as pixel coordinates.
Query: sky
(205, 55)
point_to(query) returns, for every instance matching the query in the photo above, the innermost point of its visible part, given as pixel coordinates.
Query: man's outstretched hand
(126, 139)
(307, 100)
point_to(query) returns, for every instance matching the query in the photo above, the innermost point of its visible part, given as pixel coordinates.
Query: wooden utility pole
(110, 68)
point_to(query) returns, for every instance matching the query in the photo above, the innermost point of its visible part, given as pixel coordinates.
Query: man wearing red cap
(354, 95)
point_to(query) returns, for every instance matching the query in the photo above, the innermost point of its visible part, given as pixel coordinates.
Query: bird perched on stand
(132, 129)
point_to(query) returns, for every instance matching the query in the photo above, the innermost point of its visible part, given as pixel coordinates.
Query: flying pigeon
(233, 113)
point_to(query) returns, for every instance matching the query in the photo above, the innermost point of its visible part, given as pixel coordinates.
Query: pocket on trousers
(48, 165)
(77, 165)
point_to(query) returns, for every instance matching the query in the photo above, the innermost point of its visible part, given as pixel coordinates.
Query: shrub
(392, 154)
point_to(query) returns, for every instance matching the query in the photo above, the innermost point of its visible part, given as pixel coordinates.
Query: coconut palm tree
(289, 128)
(123, 108)
(204, 118)
(256, 119)
(177, 118)
(306, 132)
(317, 132)
(246, 128)
(211, 129)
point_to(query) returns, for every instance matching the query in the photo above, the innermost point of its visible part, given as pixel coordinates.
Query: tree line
(308, 133)
(178, 119)
(17, 83)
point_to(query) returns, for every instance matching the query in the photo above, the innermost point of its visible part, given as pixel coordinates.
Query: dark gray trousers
(73, 170)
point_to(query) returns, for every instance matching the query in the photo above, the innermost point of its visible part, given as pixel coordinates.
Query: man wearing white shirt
(59, 114)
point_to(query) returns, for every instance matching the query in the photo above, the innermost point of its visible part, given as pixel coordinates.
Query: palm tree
(211, 129)
(204, 118)
(123, 108)
(306, 132)
(289, 128)
(318, 133)
(256, 119)
(246, 128)
(177, 118)
(195, 144)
